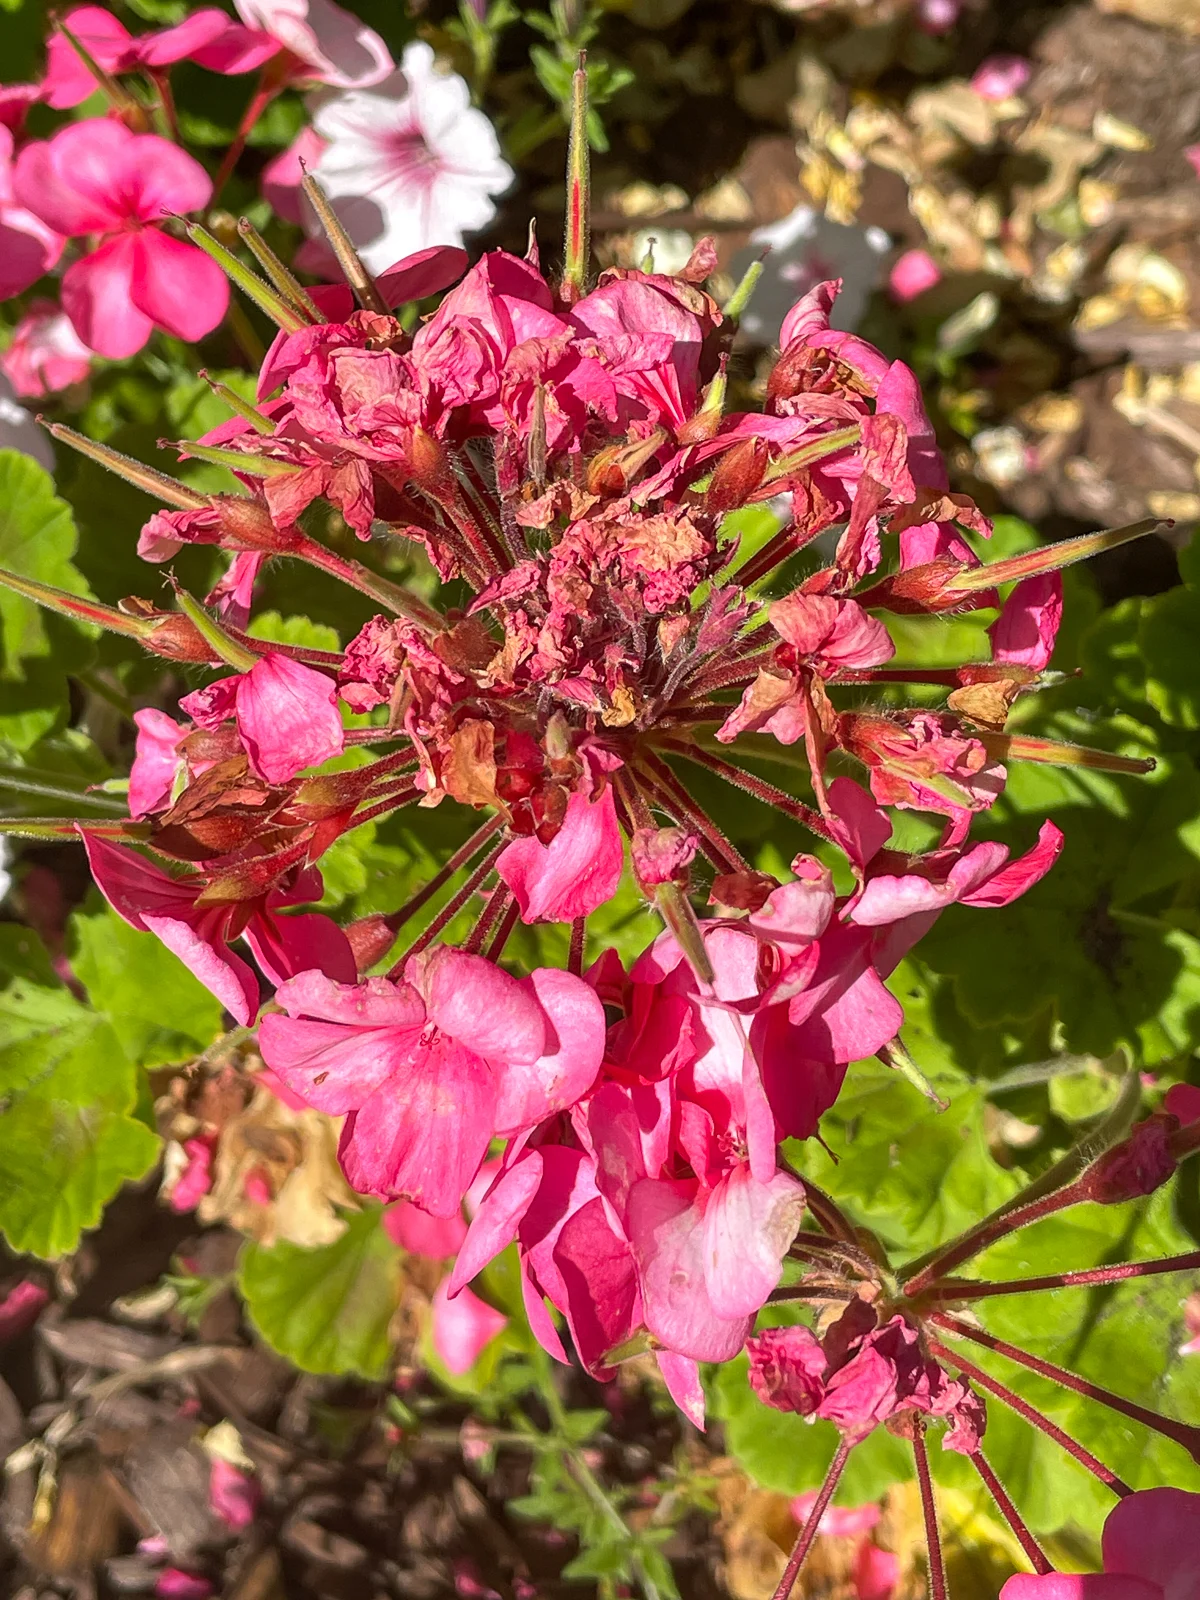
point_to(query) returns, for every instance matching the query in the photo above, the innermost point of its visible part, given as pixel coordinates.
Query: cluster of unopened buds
(564, 456)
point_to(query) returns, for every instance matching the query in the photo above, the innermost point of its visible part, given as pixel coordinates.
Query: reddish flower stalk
(1037, 1556)
(450, 910)
(812, 1523)
(750, 783)
(933, 1538)
(1180, 1432)
(1043, 1424)
(470, 847)
(1087, 1278)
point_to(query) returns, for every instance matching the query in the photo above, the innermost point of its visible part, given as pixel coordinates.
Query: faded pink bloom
(145, 897)
(912, 274)
(28, 246)
(333, 45)
(286, 715)
(1191, 1318)
(1025, 631)
(196, 1178)
(923, 761)
(46, 354)
(409, 163)
(660, 854)
(876, 1572)
(431, 1067)
(936, 16)
(21, 1307)
(787, 1369)
(1151, 1549)
(233, 1495)
(156, 764)
(174, 1583)
(576, 872)
(1000, 77)
(463, 1327)
(97, 177)
(840, 1522)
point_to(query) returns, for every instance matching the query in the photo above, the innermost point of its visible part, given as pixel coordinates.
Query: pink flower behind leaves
(912, 274)
(97, 177)
(29, 247)
(463, 1327)
(196, 1179)
(419, 1234)
(1000, 77)
(233, 1495)
(427, 1069)
(21, 1307)
(286, 715)
(1025, 631)
(46, 354)
(1151, 1550)
(576, 872)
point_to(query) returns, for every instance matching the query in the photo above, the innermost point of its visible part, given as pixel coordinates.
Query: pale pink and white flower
(46, 354)
(339, 49)
(410, 163)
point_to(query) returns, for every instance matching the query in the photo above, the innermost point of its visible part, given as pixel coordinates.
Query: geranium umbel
(563, 450)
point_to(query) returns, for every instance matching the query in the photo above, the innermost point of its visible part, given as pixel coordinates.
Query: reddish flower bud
(739, 472)
(1138, 1165)
(248, 524)
(923, 589)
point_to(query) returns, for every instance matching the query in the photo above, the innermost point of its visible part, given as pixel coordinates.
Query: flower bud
(249, 526)
(1138, 1165)
(739, 472)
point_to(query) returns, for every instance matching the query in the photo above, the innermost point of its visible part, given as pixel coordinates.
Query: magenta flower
(462, 1327)
(1151, 1548)
(199, 931)
(429, 1068)
(286, 715)
(577, 871)
(1025, 631)
(233, 1495)
(1000, 77)
(46, 354)
(29, 247)
(912, 274)
(97, 177)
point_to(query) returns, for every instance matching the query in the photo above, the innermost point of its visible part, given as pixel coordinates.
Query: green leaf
(327, 1310)
(157, 1009)
(1167, 638)
(68, 1138)
(269, 625)
(37, 540)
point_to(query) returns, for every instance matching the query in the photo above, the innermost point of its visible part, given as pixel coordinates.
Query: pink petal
(862, 829)
(152, 776)
(1183, 1101)
(480, 1005)
(287, 717)
(1025, 631)
(574, 1050)
(236, 50)
(1085, 1586)
(28, 249)
(423, 273)
(682, 1378)
(133, 886)
(1154, 1536)
(201, 947)
(810, 314)
(20, 1308)
(77, 181)
(96, 295)
(1000, 77)
(665, 1230)
(169, 45)
(913, 273)
(68, 82)
(495, 1224)
(167, 180)
(196, 1179)
(748, 1228)
(597, 1274)
(876, 1571)
(423, 1134)
(177, 286)
(340, 49)
(576, 872)
(463, 1327)
(287, 946)
(233, 1495)
(282, 175)
(416, 1232)
(176, 1584)
(1006, 885)
(363, 1036)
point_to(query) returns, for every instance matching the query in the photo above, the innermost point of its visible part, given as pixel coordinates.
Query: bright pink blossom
(156, 763)
(1025, 631)
(1151, 1549)
(912, 274)
(286, 715)
(175, 1583)
(199, 933)
(206, 36)
(97, 177)
(463, 1327)
(430, 1068)
(21, 1307)
(46, 354)
(196, 1179)
(233, 1495)
(1001, 77)
(576, 872)
(29, 247)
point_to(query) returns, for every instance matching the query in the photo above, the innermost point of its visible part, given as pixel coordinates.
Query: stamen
(812, 1522)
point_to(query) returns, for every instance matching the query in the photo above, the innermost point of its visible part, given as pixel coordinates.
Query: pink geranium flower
(913, 273)
(576, 872)
(427, 1069)
(333, 45)
(1151, 1548)
(46, 354)
(29, 247)
(97, 177)
(286, 715)
(1025, 631)
(462, 1327)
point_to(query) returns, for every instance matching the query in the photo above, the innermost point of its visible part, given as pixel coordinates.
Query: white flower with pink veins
(410, 163)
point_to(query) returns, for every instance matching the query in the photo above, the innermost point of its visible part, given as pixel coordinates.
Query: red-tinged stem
(575, 954)
(1014, 1402)
(1051, 557)
(750, 784)
(953, 1293)
(812, 1523)
(984, 1234)
(264, 92)
(1180, 1432)
(933, 1539)
(382, 808)
(508, 923)
(675, 799)
(778, 549)
(381, 590)
(828, 1213)
(1037, 1556)
(472, 846)
(493, 912)
(449, 911)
